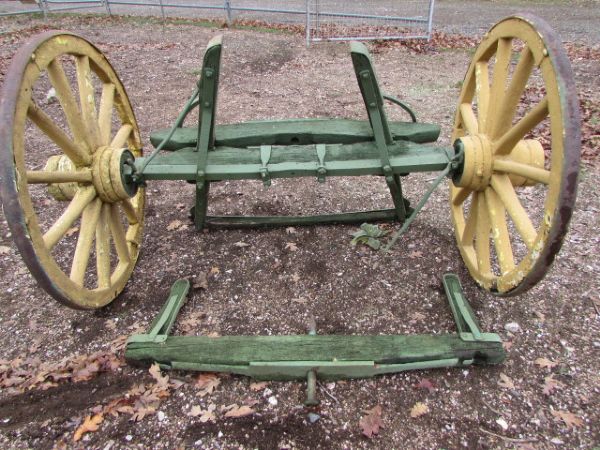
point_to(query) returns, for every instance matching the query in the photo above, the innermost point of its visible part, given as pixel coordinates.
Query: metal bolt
(365, 75)
(372, 104)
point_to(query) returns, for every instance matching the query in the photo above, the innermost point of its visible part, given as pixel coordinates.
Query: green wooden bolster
(298, 370)
(297, 131)
(295, 161)
(243, 350)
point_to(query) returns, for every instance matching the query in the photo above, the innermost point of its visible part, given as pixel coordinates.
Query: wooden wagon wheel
(65, 159)
(517, 152)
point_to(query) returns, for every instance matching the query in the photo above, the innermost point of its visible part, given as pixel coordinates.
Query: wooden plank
(297, 131)
(242, 350)
(285, 221)
(227, 163)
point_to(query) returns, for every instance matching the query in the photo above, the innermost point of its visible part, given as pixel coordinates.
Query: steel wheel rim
(563, 113)
(15, 110)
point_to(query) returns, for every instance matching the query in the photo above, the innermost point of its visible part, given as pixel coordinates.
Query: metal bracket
(265, 156)
(321, 170)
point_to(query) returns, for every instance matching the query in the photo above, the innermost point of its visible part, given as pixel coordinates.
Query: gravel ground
(265, 288)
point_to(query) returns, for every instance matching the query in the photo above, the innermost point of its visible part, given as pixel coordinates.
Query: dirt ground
(266, 288)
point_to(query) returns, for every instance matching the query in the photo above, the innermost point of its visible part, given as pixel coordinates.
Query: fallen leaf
(201, 281)
(570, 419)
(425, 383)
(371, 422)
(291, 246)
(215, 271)
(110, 324)
(258, 386)
(91, 423)
(161, 380)
(506, 382)
(4, 250)
(415, 254)
(195, 411)
(207, 383)
(418, 410)
(295, 278)
(290, 230)
(239, 411)
(550, 384)
(241, 244)
(546, 363)
(174, 225)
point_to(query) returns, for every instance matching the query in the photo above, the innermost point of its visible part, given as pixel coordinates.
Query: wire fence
(324, 20)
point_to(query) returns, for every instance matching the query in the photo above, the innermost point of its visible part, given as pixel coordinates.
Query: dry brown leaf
(418, 410)
(72, 231)
(161, 380)
(241, 244)
(550, 384)
(570, 419)
(4, 250)
(258, 386)
(546, 363)
(215, 271)
(371, 422)
(195, 411)
(506, 382)
(415, 254)
(174, 225)
(295, 277)
(201, 281)
(91, 423)
(207, 383)
(291, 246)
(239, 411)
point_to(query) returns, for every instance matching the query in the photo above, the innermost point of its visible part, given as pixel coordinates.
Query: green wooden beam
(296, 132)
(228, 163)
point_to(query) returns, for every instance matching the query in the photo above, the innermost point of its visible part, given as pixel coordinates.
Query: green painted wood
(227, 163)
(242, 350)
(297, 131)
(298, 370)
(286, 221)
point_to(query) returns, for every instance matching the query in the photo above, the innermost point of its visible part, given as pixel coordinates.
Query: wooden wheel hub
(109, 174)
(477, 162)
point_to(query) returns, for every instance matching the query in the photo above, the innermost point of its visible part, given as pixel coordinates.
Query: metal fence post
(107, 6)
(430, 19)
(307, 23)
(228, 10)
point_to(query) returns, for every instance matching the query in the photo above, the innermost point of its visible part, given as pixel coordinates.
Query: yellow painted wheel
(518, 124)
(67, 137)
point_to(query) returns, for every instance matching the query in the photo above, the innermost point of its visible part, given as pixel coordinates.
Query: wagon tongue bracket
(312, 356)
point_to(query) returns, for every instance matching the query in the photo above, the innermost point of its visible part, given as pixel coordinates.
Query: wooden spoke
(64, 93)
(461, 195)
(505, 190)
(523, 170)
(468, 118)
(118, 234)
(87, 99)
(82, 198)
(497, 216)
(121, 137)
(76, 153)
(471, 223)
(105, 115)
(482, 93)
(46, 177)
(501, 65)
(89, 221)
(508, 107)
(103, 247)
(507, 142)
(129, 210)
(482, 236)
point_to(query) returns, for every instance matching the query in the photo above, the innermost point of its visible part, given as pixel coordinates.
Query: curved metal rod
(191, 104)
(401, 105)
